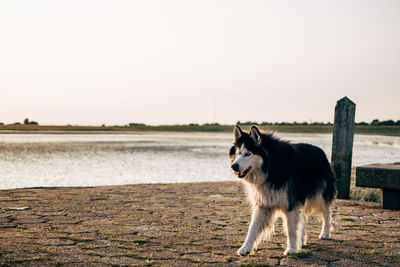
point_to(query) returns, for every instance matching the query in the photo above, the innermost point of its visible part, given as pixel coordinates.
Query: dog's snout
(235, 167)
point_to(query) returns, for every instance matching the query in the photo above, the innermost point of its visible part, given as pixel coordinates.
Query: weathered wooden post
(342, 145)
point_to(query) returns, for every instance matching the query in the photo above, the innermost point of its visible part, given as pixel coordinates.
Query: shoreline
(187, 224)
(118, 185)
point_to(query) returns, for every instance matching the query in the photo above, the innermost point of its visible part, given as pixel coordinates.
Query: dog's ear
(237, 132)
(255, 134)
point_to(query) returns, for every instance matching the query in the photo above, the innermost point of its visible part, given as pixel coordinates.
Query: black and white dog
(282, 179)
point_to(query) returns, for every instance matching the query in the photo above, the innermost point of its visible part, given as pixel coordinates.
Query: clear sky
(165, 62)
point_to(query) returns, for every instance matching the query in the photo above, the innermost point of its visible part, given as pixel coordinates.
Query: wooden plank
(379, 176)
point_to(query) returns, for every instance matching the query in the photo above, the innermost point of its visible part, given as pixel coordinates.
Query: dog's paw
(324, 236)
(290, 251)
(243, 251)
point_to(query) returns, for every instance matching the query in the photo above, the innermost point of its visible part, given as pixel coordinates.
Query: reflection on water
(31, 160)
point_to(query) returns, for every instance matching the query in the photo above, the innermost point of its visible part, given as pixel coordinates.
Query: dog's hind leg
(326, 222)
(261, 219)
(302, 230)
(292, 221)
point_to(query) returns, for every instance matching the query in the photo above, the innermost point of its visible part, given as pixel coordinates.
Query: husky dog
(282, 179)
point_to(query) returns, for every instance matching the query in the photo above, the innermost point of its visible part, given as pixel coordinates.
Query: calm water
(32, 160)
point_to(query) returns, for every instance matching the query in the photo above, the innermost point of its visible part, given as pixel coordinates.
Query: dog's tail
(330, 189)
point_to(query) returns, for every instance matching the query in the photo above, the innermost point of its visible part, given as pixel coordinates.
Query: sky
(176, 62)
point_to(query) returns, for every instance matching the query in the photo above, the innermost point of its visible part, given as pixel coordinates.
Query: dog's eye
(247, 154)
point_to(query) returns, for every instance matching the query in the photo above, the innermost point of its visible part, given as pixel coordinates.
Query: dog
(285, 180)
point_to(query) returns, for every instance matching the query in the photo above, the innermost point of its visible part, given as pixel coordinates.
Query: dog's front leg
(292, 220)
(260, 218)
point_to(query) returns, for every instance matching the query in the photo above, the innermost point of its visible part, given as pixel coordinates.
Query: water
(33, 160)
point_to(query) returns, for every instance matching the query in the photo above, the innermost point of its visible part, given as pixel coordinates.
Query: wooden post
(342, 145)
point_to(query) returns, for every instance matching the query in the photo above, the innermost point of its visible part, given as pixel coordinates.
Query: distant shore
(359, 129)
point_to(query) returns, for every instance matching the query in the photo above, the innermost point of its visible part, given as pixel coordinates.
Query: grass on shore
(359, 129)
(366, 194)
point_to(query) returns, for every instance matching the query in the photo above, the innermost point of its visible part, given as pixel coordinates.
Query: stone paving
(177, 225)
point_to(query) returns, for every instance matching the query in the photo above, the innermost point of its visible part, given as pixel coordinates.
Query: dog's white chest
(264, 195)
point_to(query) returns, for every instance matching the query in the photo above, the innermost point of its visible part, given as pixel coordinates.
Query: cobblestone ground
(176, 225)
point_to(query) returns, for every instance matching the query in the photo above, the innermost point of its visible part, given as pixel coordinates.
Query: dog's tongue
(243, 173)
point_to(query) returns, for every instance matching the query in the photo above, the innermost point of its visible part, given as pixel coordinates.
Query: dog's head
(247, 156)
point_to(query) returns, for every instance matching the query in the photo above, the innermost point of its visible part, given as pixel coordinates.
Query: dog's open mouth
(243, 173)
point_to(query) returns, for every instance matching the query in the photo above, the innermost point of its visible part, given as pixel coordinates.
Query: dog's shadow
(335, 250)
